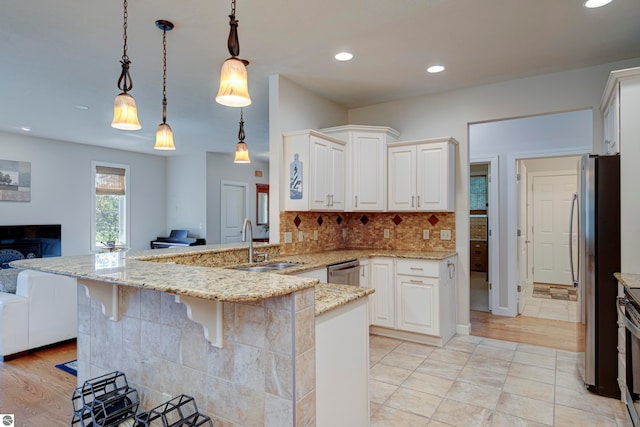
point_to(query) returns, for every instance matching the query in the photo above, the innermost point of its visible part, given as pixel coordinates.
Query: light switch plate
(445, 235)
(288, 237)
(300, 236)
(386, 233)
(425, 234)
(315, 234)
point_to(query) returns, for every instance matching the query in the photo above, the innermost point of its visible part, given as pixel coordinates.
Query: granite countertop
(133, 268)
(630, 280)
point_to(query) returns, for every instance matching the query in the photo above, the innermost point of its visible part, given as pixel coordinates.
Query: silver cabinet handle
(328, 200)
(418, 201)
(416, 281)
(332, 200)
(412, 202)
(415, 268)
(356, 201)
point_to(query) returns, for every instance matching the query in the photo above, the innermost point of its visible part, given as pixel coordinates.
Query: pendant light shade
(234, 90)
(164, 137)
(242, 151)
(164, 134)
(125, 112)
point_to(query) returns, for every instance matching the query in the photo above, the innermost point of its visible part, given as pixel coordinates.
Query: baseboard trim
(13, 356)
(463, 329)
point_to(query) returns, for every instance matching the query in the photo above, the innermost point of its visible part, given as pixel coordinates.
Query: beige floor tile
(434, 423)
(536, 349)
(580, 398)
(439, 369)
(525, 407)
(620, 413)
(449, 356)
(472, 394)
(469, 338)
(386, 417)
(402, 360)
(414, 349)
(535, 373)
(413, 401)
(569, 379)
(378, 342)
(461, 414)
(376, 355)
(482, 377)
(505, 420)
(494, 352)
(490, 364)
(428, 384)
(373, 407)
(534, 360)
(379, 392)
(456, 343)
(529, 388)
(499, 343)
(572, 417)
(389, 374)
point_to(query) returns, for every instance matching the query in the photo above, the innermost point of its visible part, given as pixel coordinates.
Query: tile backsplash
(478, 228)
(353, 230)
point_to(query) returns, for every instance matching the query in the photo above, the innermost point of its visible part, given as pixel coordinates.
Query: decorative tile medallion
(297, 221)
(397, 220)
(364, 219)
(433, 220)
(320, 220)
(339, 220)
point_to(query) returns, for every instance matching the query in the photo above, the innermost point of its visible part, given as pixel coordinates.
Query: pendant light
(164, 134)
(234, 91)
(125, 112)
(242, 151)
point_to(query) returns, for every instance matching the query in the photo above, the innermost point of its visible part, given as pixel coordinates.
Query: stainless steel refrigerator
(598, 257)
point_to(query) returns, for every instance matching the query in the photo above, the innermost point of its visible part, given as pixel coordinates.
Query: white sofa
(43, 311)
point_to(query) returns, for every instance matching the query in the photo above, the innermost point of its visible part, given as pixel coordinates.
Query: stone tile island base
(264, 375)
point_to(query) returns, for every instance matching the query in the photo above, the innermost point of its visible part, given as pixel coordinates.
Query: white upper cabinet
(422, 175)
(366, 180)
(611, 123)
(314, 169)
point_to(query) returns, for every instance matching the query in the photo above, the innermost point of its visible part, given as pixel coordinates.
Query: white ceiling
(58, 54)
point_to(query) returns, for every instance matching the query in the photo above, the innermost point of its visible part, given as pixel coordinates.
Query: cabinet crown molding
(363, 128)
(314, 133)
(616, 77)
(423, 141)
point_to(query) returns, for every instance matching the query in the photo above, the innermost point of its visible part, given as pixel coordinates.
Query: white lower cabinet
(414, 299)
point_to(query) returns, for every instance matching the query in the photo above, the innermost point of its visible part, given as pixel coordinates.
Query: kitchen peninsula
(244, 345)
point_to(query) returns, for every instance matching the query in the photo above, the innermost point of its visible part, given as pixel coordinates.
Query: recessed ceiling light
(435, 69)
(82, 107)
(344, 56)
(592, 4)
(26, 129)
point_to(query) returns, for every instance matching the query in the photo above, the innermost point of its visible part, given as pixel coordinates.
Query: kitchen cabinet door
(365, 282)
(417, 304)
(319, 168)
(369, 172)
(382, 279)
(336, 177)
(611, 124)
(435, 164)
(402, 178)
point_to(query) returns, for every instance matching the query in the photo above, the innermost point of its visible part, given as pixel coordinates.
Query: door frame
(512, 218)
(223, 201)
(493, 231)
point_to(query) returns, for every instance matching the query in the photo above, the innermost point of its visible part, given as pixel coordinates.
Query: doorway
(234, 208)
(478, 232)
(546, 192)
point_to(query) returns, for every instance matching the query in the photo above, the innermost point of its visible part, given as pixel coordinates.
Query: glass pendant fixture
(242, 151)
(164, 134)
(125, 112)
(234, 90)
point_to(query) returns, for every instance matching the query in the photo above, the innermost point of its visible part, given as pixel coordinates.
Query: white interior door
(233, 210)
(522, 234)
(552, 197)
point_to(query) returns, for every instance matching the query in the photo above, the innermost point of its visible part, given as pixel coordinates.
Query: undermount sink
(267, 267)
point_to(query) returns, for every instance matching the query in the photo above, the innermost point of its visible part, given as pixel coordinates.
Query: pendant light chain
(125, 84)
(241, 134)
(164, 75)
(233, 8)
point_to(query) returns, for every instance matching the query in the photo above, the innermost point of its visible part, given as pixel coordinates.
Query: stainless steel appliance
(345, 273)
(629, 367)
(598, 224)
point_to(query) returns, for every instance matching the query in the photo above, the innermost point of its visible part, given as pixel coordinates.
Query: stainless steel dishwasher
(344, 273)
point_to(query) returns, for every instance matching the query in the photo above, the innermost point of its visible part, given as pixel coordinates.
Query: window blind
(110, 181)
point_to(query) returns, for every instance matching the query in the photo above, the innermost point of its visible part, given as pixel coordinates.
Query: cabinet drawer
(418, 268)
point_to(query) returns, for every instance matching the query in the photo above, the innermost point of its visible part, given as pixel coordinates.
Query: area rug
(70, 367)
(560, 292)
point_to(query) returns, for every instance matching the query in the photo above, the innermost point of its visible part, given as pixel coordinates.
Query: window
(110, 200)
(478, 194)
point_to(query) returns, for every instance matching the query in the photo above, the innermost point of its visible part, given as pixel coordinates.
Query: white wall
(61, 186)
(552, 164)
(221, 167)
(292, 108)
(449, 113)
(186, 189)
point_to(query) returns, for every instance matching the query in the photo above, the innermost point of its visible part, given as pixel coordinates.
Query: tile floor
(549, 308)
(476, 381)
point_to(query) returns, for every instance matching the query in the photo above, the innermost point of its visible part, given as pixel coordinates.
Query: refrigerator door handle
(574, 278)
